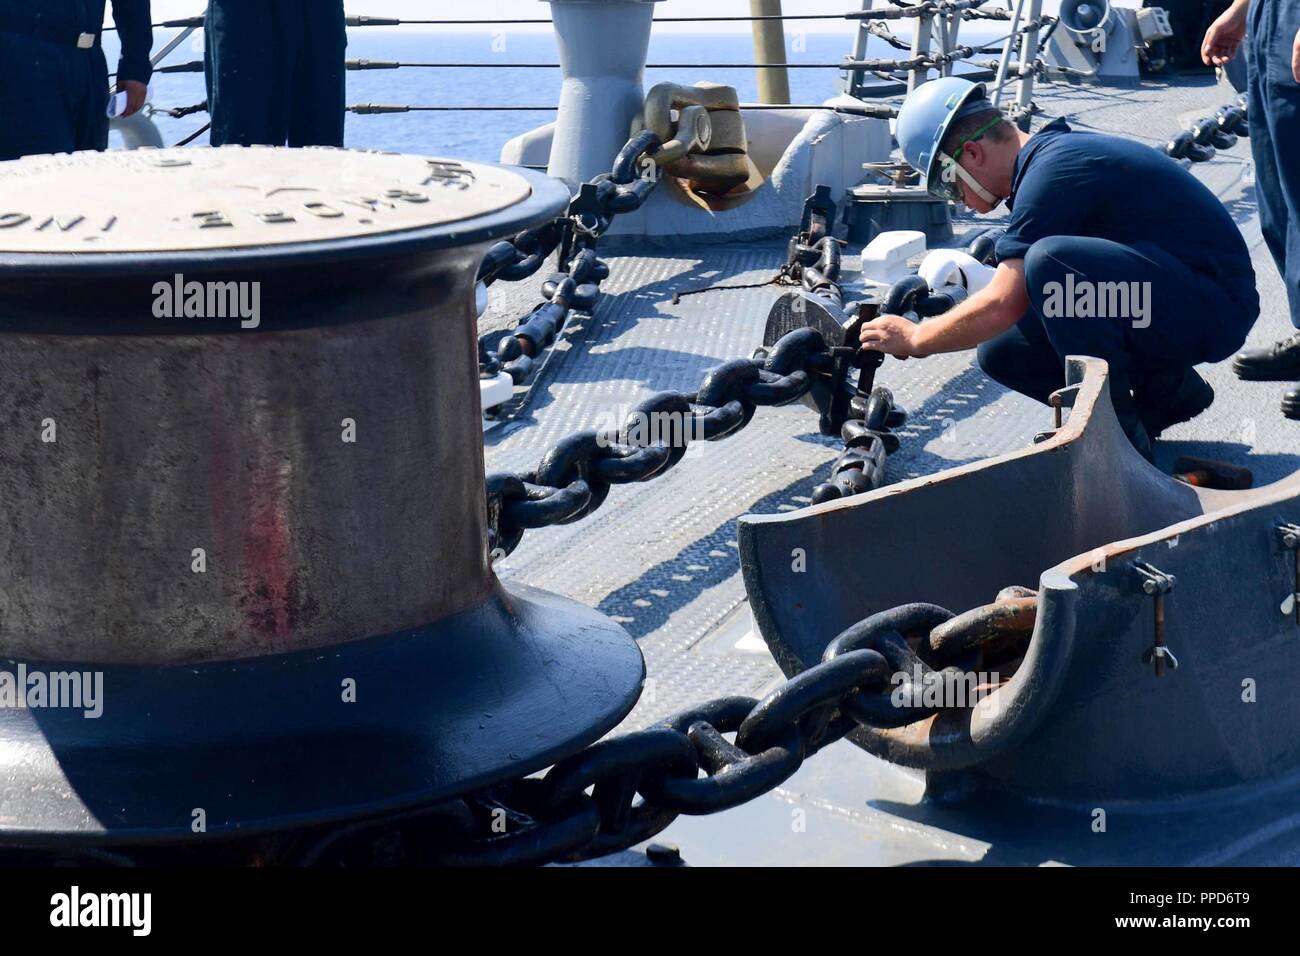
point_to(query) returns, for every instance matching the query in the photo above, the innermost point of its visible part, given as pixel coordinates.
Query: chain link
(1203, 138)
(576, 283)
(686, 765)
(573, 479)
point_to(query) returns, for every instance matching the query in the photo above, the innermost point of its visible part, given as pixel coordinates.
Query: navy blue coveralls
(275, 72)
(53, 92)
(1273, 105)
(1087, 208)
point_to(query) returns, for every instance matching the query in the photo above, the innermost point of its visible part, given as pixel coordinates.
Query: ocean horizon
(480, 135)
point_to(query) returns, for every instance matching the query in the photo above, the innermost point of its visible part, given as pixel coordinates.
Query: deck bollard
(603, 46)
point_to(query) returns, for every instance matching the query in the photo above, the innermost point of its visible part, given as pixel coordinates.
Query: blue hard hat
(926, 115)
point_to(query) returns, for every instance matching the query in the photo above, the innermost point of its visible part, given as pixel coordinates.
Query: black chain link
(573, 479)
(686, 765)
(1220, 131)
(576, 283)
(814, 257)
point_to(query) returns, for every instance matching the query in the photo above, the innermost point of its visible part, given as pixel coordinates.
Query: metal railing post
(1028, 53)
(1000, 82)
(769, 47)
(920, 47)
(951, 27)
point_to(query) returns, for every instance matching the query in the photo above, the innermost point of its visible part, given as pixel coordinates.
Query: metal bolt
(1290, 535)
(1157, 583)
(664, 854)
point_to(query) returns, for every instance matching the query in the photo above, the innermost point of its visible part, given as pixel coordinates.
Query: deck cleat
(243, 511)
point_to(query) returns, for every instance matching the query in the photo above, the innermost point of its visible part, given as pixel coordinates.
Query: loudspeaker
(1086, 16)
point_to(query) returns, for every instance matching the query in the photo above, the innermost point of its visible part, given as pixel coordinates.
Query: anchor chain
(576, 283)
(573, 478)
(868, 431)
(686, 765)
(815, 256)
(814, 262)
(1203, 138)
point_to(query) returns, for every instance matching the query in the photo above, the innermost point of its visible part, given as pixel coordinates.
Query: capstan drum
(244, 580)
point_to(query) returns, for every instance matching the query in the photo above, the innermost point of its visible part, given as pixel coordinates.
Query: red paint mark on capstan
(268, 585)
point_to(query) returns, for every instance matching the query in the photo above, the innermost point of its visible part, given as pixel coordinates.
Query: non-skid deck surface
(660, 557)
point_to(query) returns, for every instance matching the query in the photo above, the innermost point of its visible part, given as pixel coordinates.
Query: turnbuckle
(1289, 535)
(1157, 584)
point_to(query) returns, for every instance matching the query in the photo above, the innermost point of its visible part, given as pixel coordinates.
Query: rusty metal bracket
(1063, 398)
(1156, 583)
(1289, 535)
(1059, 399)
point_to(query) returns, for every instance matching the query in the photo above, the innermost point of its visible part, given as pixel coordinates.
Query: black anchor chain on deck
(814, 257)
(1203, 138)
(576, 283)
(573, 478)
(686, 765)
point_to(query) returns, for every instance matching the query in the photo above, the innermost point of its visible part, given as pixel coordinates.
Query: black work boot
(1136, 432)
(1279, 362)
(1126, 411)
(1121, 400)
(1291, 404)
(1168, 397)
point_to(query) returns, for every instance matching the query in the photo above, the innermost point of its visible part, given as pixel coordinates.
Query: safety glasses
(946, 187)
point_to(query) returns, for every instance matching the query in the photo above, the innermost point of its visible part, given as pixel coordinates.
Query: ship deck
(661, 557)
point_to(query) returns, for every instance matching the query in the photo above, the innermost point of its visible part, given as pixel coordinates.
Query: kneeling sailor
(1112, 250)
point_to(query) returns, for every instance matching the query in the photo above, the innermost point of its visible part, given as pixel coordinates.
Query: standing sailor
(1112, 250)
(53, 77)
(275, 72)
(1272, 32)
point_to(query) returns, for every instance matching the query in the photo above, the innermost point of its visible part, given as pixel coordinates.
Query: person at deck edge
(1273, 105)
(53, 78)
(1087, 209)
(276, 72)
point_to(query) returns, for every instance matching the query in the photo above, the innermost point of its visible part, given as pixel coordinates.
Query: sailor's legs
(275, 72)
(320, 79)
(1023, 360)
(1274, 113)
(1143, 311)
(1137, 307)
(247, 94)
(52, 98)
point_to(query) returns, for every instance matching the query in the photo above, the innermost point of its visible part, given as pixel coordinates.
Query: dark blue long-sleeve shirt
(131, 17)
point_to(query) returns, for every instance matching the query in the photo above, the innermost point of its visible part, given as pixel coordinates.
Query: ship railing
(933, 20)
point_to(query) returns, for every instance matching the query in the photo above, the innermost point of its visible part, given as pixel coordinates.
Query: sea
(480, 135)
